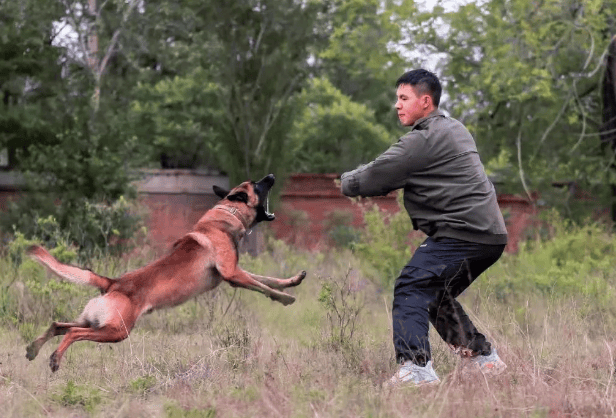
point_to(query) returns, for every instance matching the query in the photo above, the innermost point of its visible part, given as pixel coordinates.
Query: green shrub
(78, 395)
(385, 244)
(567, 260)
(337, 225)
(91, 227)
(143, 384)
(28, 295)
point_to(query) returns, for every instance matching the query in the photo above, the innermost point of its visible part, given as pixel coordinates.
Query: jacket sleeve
(389, 171)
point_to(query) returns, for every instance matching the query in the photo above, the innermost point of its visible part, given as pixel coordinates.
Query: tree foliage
(525, 76)
(332, 133)
(29, 74)
(92, 89)
(71, 151)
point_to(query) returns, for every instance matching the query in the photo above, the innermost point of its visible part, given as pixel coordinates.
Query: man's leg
(410, 315)
(412, 297)
(455, 327)
(465, 262)
(426, 290)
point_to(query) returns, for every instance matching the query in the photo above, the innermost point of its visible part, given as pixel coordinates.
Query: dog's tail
(68, 272)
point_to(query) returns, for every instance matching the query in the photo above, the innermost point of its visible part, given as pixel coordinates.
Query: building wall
(310, 205)
(175, 200)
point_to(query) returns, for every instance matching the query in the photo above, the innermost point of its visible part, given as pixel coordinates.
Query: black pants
(426, 291)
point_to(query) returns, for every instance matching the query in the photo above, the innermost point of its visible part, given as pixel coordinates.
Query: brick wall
(309, 202)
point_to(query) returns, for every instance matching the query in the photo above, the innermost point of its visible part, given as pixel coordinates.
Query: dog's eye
(238, 197)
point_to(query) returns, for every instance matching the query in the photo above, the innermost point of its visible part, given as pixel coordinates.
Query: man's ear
(220, 192)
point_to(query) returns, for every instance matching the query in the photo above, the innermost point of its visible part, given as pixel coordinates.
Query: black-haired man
(449, 197)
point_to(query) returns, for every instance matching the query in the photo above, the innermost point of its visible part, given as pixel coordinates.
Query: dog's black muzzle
(262, 188)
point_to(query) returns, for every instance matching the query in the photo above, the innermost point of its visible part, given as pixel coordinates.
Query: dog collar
(235, 212)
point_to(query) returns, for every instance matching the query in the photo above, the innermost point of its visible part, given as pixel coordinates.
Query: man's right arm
(388, 172)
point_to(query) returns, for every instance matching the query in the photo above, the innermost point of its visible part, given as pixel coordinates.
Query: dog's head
(253, 194)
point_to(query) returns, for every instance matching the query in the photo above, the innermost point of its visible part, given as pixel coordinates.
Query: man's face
(410, 106)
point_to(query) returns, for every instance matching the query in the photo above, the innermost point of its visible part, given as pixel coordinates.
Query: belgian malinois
(198, 262)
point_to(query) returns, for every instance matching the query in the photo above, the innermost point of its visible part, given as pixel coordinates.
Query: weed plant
(233, 353)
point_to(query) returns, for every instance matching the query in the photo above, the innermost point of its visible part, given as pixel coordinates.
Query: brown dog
(198, 262)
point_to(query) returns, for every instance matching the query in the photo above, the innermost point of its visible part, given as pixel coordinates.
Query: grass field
(549, 310)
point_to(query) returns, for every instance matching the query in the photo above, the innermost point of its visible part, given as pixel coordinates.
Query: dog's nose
(269, 180)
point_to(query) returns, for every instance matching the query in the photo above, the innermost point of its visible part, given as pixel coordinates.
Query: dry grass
(237, 354)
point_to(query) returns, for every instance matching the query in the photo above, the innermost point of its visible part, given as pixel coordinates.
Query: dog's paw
(54, 362)
(283, 298)
(31, 352)
(297, 280)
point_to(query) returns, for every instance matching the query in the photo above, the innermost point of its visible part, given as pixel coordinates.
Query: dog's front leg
(240, 278)
(279, 283)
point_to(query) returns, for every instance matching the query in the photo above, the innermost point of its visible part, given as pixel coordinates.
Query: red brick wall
(176, 199)
(172, 215)
(308, 200)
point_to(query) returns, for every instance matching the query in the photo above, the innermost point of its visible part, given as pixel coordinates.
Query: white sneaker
(415, 375)
(490, 365)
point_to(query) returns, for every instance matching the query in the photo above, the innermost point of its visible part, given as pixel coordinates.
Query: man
(449, 197)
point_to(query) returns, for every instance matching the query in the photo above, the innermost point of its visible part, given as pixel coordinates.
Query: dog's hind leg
(105, 334)
(275, 283)
(56, 328)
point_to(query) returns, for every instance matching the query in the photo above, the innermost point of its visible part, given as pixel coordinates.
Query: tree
(29, 74)
(262, 51)
(362, 57)
(68, 147)
(182, 116)
(608, 129)
(248, 58)
(332, 133)
(524, 76)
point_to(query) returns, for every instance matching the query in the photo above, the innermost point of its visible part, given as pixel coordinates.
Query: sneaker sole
(470, 370)
(392, 385)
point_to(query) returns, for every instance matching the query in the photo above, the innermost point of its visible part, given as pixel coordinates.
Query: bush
(89, 227)
(339, 230)
(568, 260)
(342, 304)
(78, 395)
(385, 244)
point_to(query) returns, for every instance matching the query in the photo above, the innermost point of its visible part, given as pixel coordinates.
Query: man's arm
(388, 172)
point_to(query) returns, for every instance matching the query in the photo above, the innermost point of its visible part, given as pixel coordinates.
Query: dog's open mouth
(263, 213)
(263, 187)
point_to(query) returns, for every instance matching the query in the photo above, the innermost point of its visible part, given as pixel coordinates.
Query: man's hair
(424, 82)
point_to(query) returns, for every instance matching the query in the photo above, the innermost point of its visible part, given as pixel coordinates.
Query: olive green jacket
(446, 190)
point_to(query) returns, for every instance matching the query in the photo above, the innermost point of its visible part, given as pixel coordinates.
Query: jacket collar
(435, 113)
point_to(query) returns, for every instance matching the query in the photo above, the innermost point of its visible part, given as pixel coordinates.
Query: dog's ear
(220, 192)
(238, 197)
